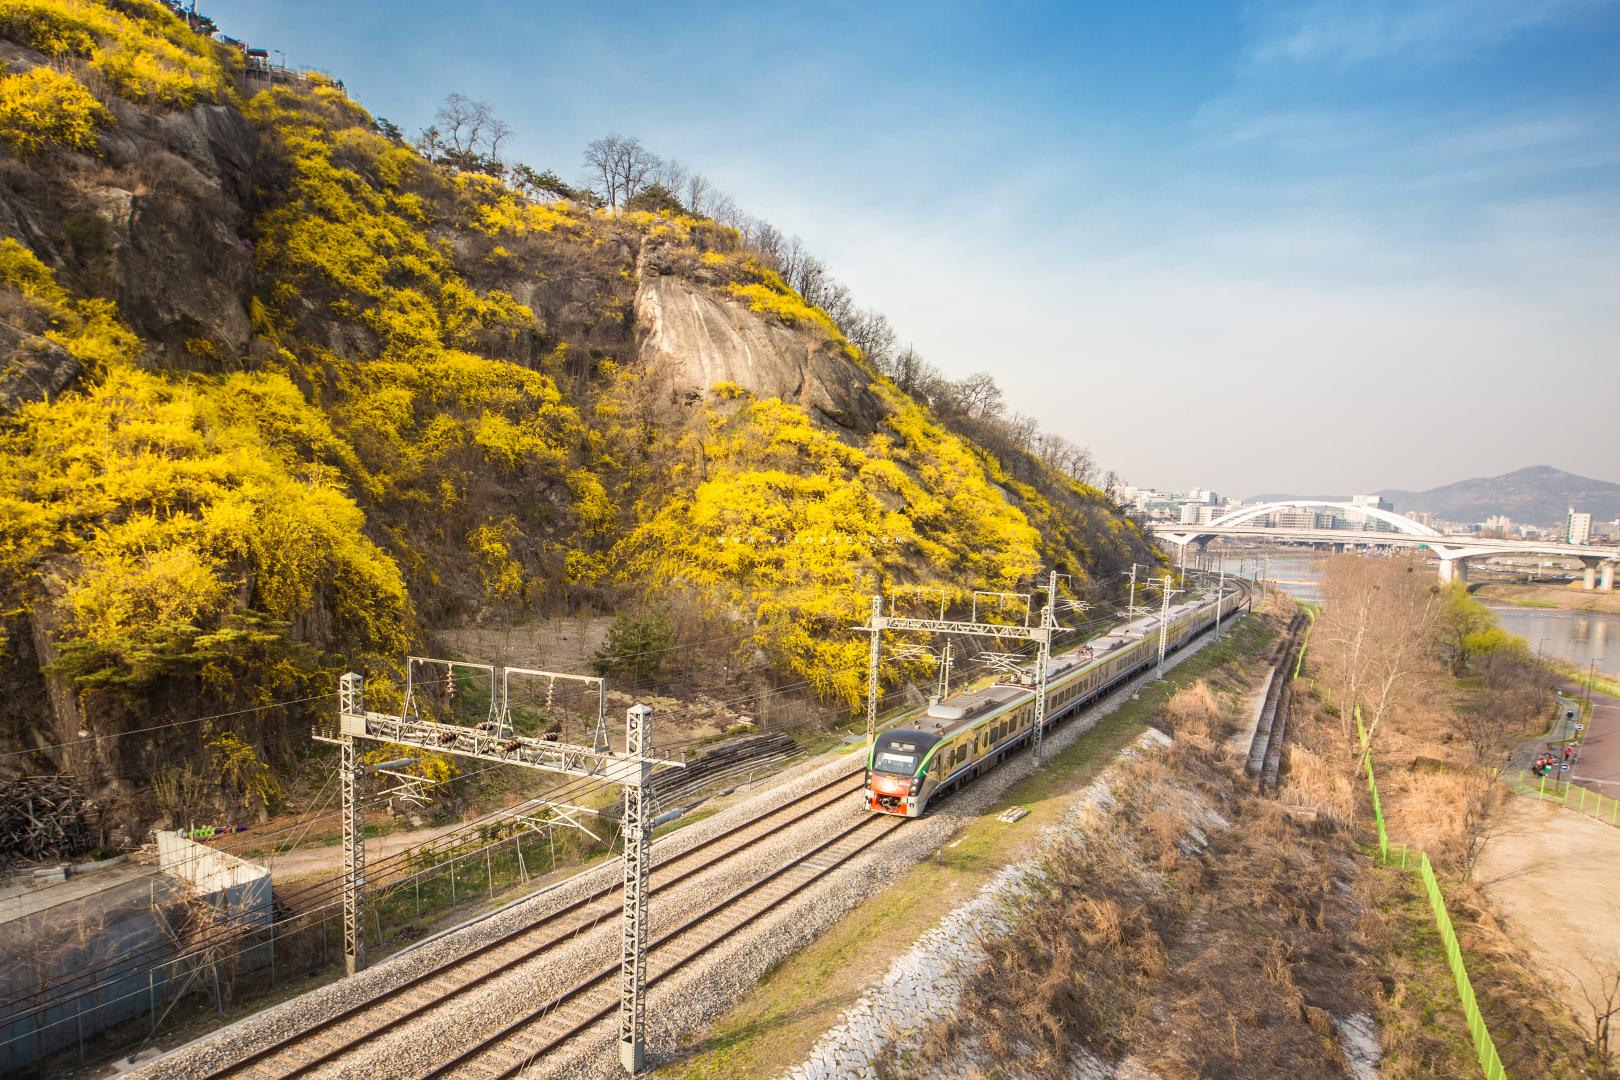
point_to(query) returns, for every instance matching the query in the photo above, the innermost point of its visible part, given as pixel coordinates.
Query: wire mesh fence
(127, 1004)
(1553, 789)
(1490, 1062)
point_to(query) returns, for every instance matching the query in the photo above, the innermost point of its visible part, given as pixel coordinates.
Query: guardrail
(1490, 1062)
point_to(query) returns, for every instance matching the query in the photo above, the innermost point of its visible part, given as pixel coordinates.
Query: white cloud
(1413, 30)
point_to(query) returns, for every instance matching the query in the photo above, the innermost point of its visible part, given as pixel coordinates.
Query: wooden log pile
(43, 818)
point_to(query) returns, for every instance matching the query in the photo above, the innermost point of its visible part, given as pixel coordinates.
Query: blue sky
(1174, 232)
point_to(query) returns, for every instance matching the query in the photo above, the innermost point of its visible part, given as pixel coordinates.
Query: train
(959, 737)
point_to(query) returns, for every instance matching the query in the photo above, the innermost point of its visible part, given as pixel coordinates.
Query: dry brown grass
(1321, 785)
(1193, 949)
(1193, 704)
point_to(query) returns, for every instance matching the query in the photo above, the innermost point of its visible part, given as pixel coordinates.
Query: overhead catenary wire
(165, 727)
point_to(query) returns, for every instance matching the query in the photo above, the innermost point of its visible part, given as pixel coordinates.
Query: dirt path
(330, 858)
(1555, 875)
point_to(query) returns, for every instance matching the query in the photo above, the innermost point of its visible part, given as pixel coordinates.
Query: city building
(1301, 518)
(1357, 519)
(1577, 528)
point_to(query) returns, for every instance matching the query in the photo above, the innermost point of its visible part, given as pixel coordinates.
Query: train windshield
(899, 752)
(890, 762)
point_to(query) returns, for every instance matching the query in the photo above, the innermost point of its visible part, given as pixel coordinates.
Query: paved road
(1599, 766)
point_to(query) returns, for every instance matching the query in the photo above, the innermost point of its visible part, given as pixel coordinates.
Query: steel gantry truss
(637, 845)
(1040, 633)
(1164, 618)
(494, 741)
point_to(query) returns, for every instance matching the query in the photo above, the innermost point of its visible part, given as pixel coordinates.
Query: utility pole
(1041, 633)
(637, 854)
(872, 675)
(1164, 621)
(495, 741)
(1043, 660)
(945, 673)
(352, 714)
(1131, 610)
(1220, 594)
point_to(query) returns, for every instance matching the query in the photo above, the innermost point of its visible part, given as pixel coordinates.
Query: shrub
(239, 767)
(87, 328)
(637, 646)
(140, 47)
(43, 107)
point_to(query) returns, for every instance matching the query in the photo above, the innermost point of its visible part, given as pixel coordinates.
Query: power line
(165, 727)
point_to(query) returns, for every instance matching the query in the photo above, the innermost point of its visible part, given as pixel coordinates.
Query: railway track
(513, 1048)
(316, 1047)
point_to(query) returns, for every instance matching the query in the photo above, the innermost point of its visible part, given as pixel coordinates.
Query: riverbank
(1562, 597)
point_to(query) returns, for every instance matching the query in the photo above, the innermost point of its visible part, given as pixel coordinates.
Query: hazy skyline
(1169, 231)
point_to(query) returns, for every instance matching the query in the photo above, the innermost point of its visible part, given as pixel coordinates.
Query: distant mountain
(1538, 495)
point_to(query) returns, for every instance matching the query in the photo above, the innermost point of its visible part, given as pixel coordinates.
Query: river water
(1579, 637)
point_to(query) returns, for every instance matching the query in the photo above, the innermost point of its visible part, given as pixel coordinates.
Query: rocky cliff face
(157, 220)
(692, 339)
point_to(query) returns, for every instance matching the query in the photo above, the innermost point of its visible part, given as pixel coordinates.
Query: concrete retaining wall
(108, 958)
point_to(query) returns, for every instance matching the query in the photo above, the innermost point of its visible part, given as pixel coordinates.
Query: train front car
(894, 775)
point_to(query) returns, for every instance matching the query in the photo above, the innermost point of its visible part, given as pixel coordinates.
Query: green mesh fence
(1484, 1048)
(1552, 789)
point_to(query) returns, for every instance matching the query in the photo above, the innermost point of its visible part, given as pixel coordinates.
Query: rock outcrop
(693, 338)
(32, 368)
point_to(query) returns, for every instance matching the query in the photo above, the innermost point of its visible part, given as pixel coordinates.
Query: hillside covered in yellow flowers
(281, 398)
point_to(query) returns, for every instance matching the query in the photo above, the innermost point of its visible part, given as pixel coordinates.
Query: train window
(890, 762)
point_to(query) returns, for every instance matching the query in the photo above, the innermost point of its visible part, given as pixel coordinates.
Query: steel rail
(883, 825)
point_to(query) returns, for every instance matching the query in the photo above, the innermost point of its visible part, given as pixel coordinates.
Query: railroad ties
(543, 1030)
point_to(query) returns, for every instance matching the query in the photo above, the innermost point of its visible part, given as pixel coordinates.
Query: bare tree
(1376, 637)
(1605, 1005)
(602, 159)
(697, 193)
(1341, 632)
(1068, 458)
(672, 175)
(976, 397)
(870, 332)
(623, 166)
(496, 133)
(462, 121)
(1404, 633)
(1021, 432)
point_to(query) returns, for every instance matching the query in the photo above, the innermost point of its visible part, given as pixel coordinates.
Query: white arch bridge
(1452, 551)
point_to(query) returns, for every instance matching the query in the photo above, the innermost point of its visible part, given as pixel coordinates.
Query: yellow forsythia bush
(143, 50)
(44, 107)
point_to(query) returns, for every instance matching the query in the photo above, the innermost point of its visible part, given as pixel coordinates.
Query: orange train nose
(891, 785)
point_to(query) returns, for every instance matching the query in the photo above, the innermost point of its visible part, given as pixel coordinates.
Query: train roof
(959, 709)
